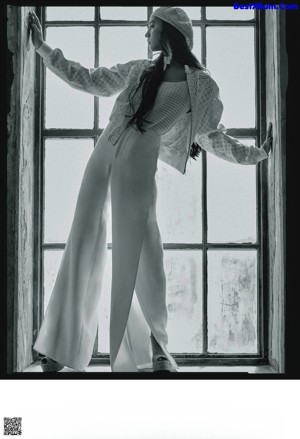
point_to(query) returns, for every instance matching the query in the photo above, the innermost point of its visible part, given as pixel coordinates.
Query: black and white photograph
(146, 158)
(144, 243)
(149, 151)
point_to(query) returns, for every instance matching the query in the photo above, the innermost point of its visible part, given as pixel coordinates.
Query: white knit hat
(178, 18)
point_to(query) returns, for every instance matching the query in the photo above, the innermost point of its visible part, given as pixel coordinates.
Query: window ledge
(35, 367)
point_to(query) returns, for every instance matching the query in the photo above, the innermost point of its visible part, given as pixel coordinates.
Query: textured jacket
(201, 125)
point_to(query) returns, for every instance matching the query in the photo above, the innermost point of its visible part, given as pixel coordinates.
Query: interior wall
(20, 173)
(276, 83)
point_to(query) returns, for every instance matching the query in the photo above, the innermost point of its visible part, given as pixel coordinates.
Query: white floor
(35, 367)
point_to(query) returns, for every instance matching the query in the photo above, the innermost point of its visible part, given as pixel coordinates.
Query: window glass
(179, 203)
(76, 42)
(232, 301)
(123, 13)
(228, 13)
(231, 200)
(51, 263)
(230, 60)
(197, 43)
(184, 300)
(104, 306)
(65, 162)
(69, 13)
(64, 104)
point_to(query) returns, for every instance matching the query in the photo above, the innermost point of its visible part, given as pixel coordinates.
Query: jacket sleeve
(100, 81)
(211, 134)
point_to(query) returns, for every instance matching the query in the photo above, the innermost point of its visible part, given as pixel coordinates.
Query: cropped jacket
(201, 125)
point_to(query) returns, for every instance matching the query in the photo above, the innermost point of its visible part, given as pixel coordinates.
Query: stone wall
(276, 83)
(20, 161)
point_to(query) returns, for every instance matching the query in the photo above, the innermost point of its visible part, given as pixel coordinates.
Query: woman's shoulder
(204, 76)
(203, 72)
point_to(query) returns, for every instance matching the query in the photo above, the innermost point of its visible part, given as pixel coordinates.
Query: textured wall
(276, 81)
(20, 126)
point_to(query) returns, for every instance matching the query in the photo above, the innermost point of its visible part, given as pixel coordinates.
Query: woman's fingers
(36, 28)
(35, 20)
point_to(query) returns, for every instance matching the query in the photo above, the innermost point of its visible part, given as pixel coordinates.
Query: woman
(168, 108)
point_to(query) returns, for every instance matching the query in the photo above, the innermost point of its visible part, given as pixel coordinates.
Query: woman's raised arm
(102, 81)
(211, 134)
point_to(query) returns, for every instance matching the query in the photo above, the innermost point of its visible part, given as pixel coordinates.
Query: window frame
(257, 133)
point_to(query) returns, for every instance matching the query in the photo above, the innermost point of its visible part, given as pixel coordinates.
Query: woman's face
(153, 33)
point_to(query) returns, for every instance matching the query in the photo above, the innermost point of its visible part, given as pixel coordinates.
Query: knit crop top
(171, 103)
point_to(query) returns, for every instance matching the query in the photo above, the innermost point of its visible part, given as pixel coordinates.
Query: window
(210, 219)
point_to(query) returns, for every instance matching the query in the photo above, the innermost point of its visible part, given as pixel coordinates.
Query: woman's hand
(37, 33)
(267, 145)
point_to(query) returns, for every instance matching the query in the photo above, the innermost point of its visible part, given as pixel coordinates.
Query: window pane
(65, 162)
(104, 307)
(228, 13)
(64, 104)
(184, 300)
(232, 301)
(193, 12)
(76, 42)
(52, 259)
(179, 204)
(231, 200)
(230, 59)
(197, 42)
(123, 13)
(119, 45)
(70, 13)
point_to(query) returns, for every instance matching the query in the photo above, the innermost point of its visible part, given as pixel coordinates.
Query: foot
(159, 359)
(49, 365)
(161, 364)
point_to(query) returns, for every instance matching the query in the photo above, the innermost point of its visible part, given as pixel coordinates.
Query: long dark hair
(151, 79)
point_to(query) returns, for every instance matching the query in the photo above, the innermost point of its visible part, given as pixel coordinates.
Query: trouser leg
(149, 311)
(132, 191)
(151, 279)
(150, 290)
(151, 284)
(68, 330)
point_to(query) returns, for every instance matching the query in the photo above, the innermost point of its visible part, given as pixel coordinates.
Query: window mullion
(204, 255)
(96, 98)
(149, 13)
(38, 256)
(203, 35)
(96, 119)
(204, 207)
(42, 168)
(262, 172)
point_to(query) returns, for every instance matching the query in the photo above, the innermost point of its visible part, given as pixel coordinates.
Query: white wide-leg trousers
(123, 174)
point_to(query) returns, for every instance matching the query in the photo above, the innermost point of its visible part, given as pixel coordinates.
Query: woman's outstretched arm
(212, 137)
(101, 81)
